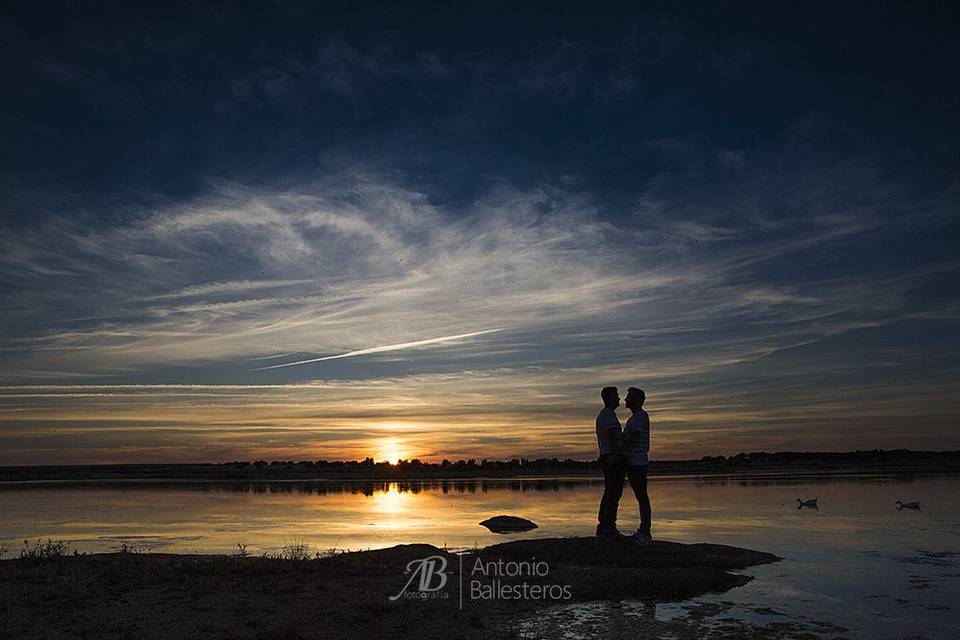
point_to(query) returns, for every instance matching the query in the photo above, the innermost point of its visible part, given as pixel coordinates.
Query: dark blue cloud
(133, 98)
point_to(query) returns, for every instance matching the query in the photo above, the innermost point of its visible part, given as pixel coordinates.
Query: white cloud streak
(382, 349)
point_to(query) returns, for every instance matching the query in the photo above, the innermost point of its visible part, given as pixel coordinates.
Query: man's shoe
(603, 532)
(642, 538)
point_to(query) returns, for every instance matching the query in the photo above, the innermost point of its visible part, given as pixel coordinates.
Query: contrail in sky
(279, 355)
(389, 347)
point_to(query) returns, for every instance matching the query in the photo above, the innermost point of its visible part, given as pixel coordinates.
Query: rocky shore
(407, 591)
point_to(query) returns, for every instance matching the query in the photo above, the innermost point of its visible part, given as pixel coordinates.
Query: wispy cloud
(229, 287)
(731, 324)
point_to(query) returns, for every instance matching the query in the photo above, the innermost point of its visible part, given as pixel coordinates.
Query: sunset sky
(335, 230)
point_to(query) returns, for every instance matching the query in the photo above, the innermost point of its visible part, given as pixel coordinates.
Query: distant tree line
(416, 464)
(892, 458)
(879, 460)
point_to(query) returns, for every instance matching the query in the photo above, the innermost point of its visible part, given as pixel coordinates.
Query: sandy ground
(133, 595)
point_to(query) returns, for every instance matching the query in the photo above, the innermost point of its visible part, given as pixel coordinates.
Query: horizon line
(487, 460)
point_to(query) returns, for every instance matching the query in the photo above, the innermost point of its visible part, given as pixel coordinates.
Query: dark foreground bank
(435, 594)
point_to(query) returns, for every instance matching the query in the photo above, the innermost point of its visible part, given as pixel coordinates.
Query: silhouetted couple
(623, 454)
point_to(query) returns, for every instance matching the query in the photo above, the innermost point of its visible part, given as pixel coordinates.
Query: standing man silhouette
(635, 444)
(612, 462)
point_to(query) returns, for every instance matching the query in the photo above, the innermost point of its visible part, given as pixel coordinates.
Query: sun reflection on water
(391, 501)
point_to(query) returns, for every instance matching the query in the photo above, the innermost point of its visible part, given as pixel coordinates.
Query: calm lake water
(855, 568)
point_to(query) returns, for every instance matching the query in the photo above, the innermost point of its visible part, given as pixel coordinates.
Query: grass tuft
(39, 550)
(129, 548)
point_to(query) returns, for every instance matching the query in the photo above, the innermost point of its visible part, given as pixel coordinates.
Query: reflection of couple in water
(623, 454)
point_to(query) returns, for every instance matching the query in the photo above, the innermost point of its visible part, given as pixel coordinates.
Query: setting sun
(392, 451)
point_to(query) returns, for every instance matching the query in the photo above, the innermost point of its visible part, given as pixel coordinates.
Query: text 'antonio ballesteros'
(514, 580)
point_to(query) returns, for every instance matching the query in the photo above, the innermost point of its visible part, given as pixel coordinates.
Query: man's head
(635, 398)
(611, 397)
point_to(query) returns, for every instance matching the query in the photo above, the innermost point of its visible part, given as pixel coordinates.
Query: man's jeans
(613, 476)
(638, 480)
